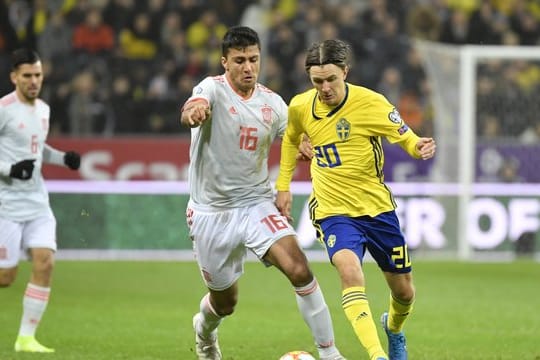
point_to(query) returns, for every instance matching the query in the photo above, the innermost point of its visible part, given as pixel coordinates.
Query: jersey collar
(334, 110)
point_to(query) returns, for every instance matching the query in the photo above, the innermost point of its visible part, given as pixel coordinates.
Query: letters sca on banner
(139, 159)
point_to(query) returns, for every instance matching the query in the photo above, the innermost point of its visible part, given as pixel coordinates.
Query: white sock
(311, 303)
(210, 319)
(35, 302)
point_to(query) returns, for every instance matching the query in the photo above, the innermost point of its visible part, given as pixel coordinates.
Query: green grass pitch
(143, 311)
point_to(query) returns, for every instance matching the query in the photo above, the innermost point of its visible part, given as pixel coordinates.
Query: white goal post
(452, 73)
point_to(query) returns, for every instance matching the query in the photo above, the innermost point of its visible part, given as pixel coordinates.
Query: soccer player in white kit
(234, 120)
(26, 220)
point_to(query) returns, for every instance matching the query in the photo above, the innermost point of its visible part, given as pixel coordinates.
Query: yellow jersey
(347, 169)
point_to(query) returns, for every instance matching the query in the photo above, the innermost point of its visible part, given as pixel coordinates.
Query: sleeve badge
(394, 116)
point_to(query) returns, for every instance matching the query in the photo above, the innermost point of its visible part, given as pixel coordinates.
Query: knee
(43, 265)
(7, 277)
(351, 274)
(226, 308)
(223, 303)
(299, 274)
(405, 294)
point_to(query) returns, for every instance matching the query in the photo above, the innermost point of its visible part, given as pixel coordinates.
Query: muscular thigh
(40, 233)
(341, 232)
(10, 243)
(218, 245)
(265, 226)
(386, 242)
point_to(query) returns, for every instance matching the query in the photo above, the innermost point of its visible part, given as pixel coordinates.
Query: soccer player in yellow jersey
(351, 206)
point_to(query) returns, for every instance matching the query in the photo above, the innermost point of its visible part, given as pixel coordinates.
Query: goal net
(487, 128)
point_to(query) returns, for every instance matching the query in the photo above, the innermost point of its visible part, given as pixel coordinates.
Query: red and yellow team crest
(267, 114)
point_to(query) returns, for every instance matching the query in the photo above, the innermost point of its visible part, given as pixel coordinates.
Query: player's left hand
(72, 160)
(426, 148)
(284, 204)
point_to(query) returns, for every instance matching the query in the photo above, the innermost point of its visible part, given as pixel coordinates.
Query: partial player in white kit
(234, 121)
(26, 220)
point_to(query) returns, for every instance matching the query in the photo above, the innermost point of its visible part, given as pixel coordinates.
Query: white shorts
(18, 237)
(222, 236)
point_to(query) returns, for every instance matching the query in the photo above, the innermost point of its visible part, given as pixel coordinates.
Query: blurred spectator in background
(19, 13)
(455, 30)
(87, 115)
(486, 24)
(488, 127)
(390, 84)
(118, 14)
(523, 22)
(93, 36)
(122, 104)
(139, 41)
(532, 134)
(284, 44)
(171, 26)
(55, 41)
(206, 32)
(423, 22)
(509, 170)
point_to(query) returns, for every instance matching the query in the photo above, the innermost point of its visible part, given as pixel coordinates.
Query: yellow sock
(356, 307)
(397, 314)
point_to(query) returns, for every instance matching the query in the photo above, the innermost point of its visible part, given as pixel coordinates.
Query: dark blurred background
(126, 66)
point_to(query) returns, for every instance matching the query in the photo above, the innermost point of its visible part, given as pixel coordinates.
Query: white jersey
(229, 152)
(23, 130)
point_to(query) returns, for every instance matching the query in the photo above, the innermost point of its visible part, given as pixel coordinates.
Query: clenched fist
(23, 169)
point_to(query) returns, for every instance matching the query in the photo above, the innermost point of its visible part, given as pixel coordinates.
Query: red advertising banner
(139, 158)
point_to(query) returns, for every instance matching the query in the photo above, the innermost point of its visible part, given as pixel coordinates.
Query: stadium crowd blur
(117, 67)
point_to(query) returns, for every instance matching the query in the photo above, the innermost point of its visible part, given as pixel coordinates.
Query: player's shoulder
(217, 79)
(11, 99)
(268, 93)
(303, 99)
(210, 82)
(8, 100)
(264, 89)
(367, 96)
(42, 104)
(363, 92)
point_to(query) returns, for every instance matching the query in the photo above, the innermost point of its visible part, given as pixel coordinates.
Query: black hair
(239, 37)
(23, 56)
(335, 52)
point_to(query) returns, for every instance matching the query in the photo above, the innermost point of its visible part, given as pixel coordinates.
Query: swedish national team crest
(343, 129)
(331, 241)
(395, 117)
(267, 114)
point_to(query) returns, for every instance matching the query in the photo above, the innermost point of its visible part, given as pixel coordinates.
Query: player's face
(27, 79)
(329, 80)
(242, 68)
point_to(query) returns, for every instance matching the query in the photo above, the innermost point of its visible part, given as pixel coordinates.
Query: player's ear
(13, 77)
(224, 63)
(345, 72)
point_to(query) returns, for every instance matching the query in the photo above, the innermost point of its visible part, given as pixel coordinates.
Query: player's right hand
(23, 169)
(197, 115)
